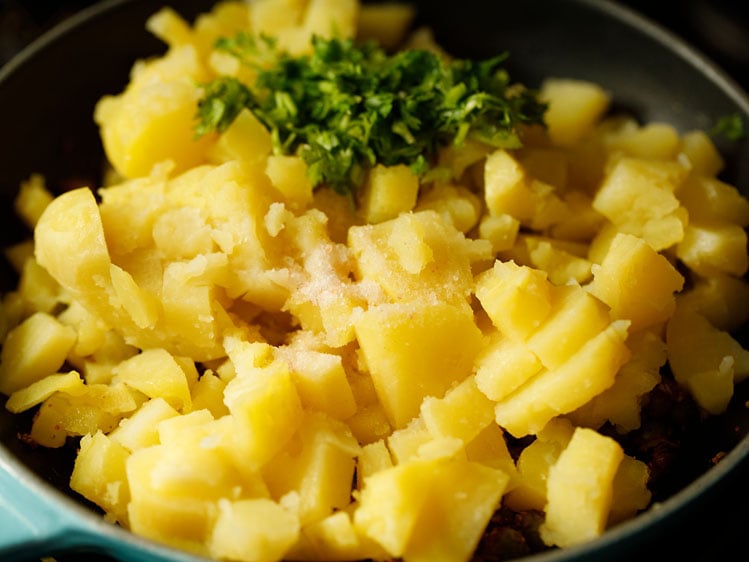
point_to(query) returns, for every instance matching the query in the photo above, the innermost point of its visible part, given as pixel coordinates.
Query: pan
(47, 96)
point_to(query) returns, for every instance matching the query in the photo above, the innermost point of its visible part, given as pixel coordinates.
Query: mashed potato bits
(261, 368)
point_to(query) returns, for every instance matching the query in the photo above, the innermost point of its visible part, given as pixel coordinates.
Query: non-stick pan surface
(47, 95)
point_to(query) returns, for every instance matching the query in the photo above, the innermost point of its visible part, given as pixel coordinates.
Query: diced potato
(506, 189)
(71, 226)
(322, 385)
(253, 530)
(267, 409)
(387, 23)
(388, 192)
(464, 496)
(157, 374)
(289, 175)
(208, 394)
(318, 466)
(574, 107)
(702, 154)
(710, 200)
(580, 489)
(416, 350)
(630, 490)
(405, 507)
(462, 413)
(37, 392)
(99, 474)
(655, 141)
(373, 458)
(152, 120)
(637, 196)
(247, 140)
(418, 255)
(38, 289)
(575, 317)
(33, 350)
(620, 404)
(503, 365)
(456, 204)
(31, 200)
(534, 463)
(697, 349)
(722, 299)
(500, 230)
(714, 248)
(140, 430)
(636, 282)
(516, 298)
(586, 374)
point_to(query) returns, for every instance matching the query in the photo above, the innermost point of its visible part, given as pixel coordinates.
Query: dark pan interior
(47, 97)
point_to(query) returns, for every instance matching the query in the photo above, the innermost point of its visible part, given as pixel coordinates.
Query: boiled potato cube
(71, 227)
(417, 255)
(31, 200)
(636, 282)
(703, 156)
(152, 120)
(586, 374)
(574, 108)
(462, 413)
(503, 365)
(33, 350)
(637, 196)
(698, 349)
(318, 466)
(266, 408)
(575, 317)
(516, 298)
(414, 350)
(37, 392)
(714, 248)
(157, 374)
(253, 530)
(99, 474)
(580, 489)
(140, 430)
(388, 192)
(387, 23)
(710, 200)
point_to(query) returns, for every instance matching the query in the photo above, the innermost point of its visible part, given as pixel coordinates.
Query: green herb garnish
(732, 127)
(346, 107)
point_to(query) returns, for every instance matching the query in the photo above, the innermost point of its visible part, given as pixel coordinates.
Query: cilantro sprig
(346, 107)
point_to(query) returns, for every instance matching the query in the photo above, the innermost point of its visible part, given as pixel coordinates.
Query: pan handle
(31, 524)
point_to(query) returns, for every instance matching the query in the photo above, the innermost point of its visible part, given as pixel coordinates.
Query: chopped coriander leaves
(731, 126)
(346, 107)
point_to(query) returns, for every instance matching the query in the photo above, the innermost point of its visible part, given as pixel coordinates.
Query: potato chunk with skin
(414, 350)
(580, 489)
